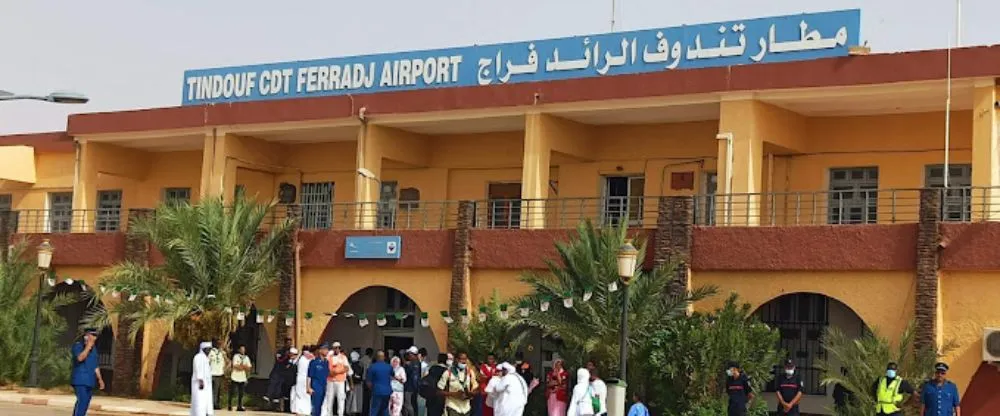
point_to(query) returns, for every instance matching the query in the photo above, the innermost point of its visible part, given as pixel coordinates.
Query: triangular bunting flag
(131, 298)
(447, 317)
(568, 299)
(309, 316)
(260, 318)
(524, 308)
(51, 281)
(613, 286)
(482, 314)
(289, 318)
(362, 320)
(270, 316)
(68, 281)
(503, 311)
(380, 319)
(103, 289)
(424, 321)
(588, 293)
(465, 316)
(544, 306)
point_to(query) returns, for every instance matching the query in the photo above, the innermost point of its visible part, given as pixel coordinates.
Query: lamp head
(45, 254)
(67, 97)
(627, 258)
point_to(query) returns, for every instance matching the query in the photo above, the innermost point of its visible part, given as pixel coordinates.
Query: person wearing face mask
(939, 396)
(429, 386)
(738, 388)
(789, 391)
(889, 391)
(458, 385)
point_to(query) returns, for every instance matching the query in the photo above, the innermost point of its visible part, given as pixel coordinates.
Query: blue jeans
(380, 405)
(83, 395)
(317, 401)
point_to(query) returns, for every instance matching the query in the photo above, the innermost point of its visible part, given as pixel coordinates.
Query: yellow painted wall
(506, 283)
(968, 305)
(868, 294)
(325, 290)
(170, 170)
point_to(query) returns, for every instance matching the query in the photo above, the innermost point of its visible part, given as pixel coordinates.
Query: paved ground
(8, 409)
(14, 403)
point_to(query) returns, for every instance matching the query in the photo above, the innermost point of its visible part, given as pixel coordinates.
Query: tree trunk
(286, 285)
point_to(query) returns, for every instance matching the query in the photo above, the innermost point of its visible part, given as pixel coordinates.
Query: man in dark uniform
(888, 392)
(86, 375)
(939, 396)
(789, 390)
(738, 389)
(319, 371)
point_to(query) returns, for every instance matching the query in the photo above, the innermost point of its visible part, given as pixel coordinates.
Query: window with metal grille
(623, 197)
(317, 205)
(60, 212)
(956, 203)
(6, 208)
(388, 199)
(398, 302)
(504, 205)
(707, 201)
(109, 210)
(853, 196)
(801, 319)
(176, 195)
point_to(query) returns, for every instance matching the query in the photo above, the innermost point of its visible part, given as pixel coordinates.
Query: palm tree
(498, 335)
(590, 330)
(17, 275)
(216, 261)
(864, 360)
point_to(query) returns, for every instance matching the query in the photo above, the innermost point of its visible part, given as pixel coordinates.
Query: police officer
(789, 390)
(86, 375)
(738, 389)
(939, 396)
(319, 370)
(888, 392)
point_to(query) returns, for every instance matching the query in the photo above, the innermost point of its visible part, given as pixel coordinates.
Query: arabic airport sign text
(772, 39)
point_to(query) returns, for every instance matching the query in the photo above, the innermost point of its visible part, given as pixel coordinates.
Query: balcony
(842, 207)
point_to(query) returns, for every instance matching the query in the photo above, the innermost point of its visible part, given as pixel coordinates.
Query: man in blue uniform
(85, 375)
(789, 390)
(939, 396)
(738, 389)
(319, 370)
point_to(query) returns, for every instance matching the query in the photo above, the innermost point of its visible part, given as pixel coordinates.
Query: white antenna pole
(958, 23)
(613, 15)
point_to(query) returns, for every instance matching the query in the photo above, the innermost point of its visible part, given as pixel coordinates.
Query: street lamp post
(44, 261)
(627, 256)
(59, 97)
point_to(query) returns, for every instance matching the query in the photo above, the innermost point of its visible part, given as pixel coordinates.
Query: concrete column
(741, 149)
(673, 240)
(985, 152)
(85, 187)
(535, 170)
(928, 293)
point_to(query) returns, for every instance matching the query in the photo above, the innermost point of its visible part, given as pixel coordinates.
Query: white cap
(413, 350)
(336, 344)
(293, 351)
(204, 345)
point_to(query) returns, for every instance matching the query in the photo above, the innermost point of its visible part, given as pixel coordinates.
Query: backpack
(429, 385)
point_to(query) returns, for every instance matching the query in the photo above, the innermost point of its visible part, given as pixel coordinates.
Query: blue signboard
(773, 39)
(378, 247)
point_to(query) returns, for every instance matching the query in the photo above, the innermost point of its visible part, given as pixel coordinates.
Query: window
(623, 196)
(957, 202)
(6, 202)
(176, 195)
(6, 208)
(317, 205)
(387, 203)
(504, 205)
(853, 196)
(396, 301)
(801, 319)
(60, 212)
(109, 210)
(707, 201)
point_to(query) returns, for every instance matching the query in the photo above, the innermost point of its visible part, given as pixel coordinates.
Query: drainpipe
(728, 182)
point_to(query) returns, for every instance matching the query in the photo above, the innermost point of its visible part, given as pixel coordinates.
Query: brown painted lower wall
(806, 248)
(973, 246)
(982, 397)
(419, 249)
(103, 249)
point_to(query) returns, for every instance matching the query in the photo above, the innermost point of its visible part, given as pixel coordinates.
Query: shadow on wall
(396, 334)
(981, 398)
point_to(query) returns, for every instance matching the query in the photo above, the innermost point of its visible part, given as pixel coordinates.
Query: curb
(98, 408)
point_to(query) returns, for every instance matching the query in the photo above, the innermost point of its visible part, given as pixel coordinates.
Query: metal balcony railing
(840, 207)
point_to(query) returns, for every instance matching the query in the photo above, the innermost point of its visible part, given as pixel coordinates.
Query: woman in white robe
(301, 402)
(580, 403)
(201, 383)
(510, 392)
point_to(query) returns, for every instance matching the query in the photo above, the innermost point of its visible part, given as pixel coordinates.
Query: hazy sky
(129, 54)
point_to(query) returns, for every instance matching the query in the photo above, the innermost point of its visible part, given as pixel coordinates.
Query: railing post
(6, 229)
(928, 251)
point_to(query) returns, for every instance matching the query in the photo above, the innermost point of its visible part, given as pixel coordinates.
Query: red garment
(561, 388)
(486, 372)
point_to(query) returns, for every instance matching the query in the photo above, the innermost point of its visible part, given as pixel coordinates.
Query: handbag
(595, 401)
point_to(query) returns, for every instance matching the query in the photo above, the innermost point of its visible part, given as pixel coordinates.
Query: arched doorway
(396, 334)
(801, 319)
(79, 298)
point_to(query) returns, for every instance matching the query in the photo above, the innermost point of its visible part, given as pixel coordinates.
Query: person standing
(434, 398)
(217, 361)
(85, 374)
(276, 379)
(939, 396)
(356, 378)
(300, 401)
(524, 370)
(487, 371)
(789, 391)
(583, 402)
(414, 371)
(598, 388)
(638, 407)
(458, 386)
(336, 393)
(888, 392)
(201, 382)
(240, 367)
(557, 389)
(366, 396)
(319, 371)
(509, 392)
(379, 380)
(738, 388)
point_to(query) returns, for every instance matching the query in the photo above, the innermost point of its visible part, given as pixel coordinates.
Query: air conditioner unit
(991, 345)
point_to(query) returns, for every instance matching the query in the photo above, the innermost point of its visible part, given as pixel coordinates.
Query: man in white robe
(301, 402)
(509, 392)
(201, 383)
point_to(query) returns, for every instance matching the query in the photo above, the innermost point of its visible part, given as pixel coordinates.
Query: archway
(79, 297)
(802, 318)
(394, 334)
